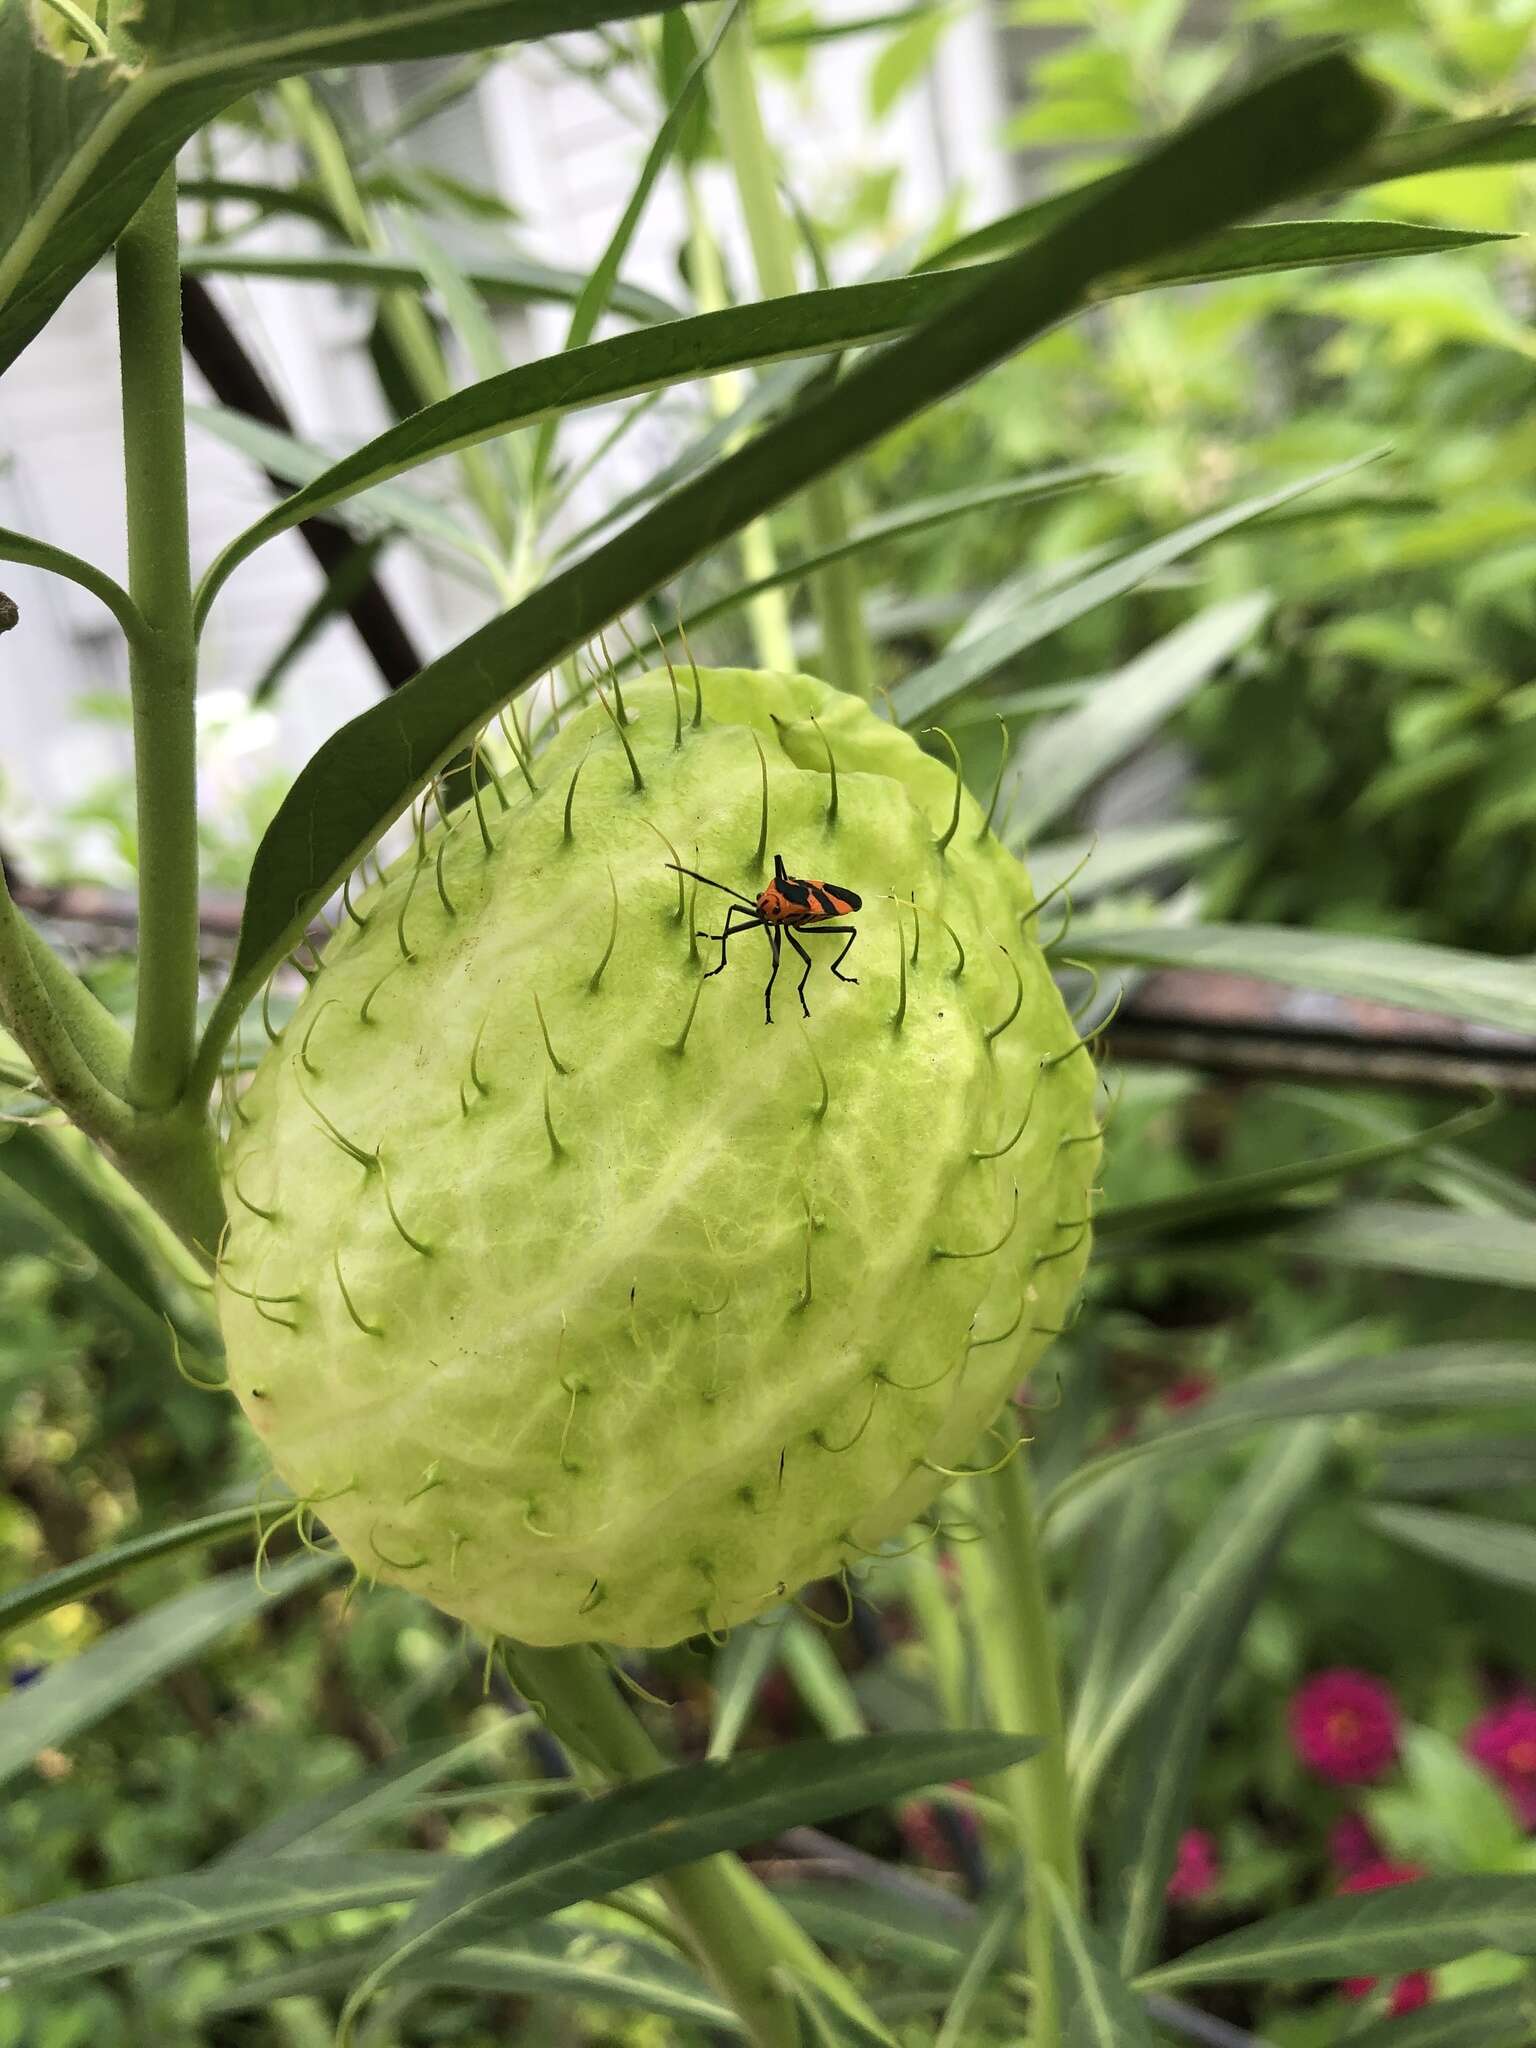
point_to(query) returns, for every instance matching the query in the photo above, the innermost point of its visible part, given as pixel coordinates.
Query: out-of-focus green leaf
(510, 280)
(1472, 1375)
(1135, 1227)
(1504, 2017)
(1505, 1551)
(1238, 160)
(995, 1928)
(965, 664)
(1101, 2010)
(1368, 1934)
(748, 1656)
(591, 1965)
(388, 506)
(1436, 978)
(1059, 761)
(828, 2025)
(1241, 1530)
(79, 1692)
(1113, 860)
(73, 1581)
(1421, 1465)
(1414, 1238)
(167, 1915)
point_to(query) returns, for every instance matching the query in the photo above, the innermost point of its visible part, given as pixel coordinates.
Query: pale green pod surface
(579, 1298)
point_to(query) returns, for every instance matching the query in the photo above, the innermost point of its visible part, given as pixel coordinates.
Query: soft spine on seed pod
(572, 1294)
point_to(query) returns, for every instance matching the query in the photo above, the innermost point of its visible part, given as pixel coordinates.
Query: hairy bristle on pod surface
(581, 1300)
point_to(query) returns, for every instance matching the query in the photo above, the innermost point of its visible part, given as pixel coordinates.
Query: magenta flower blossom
(1351, 1845)
(1344, 1726)
(1503, 1741)
(1197, 1867)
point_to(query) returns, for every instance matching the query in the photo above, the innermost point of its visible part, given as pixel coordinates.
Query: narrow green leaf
(1149, 1799)
(1437, 978)
(1103, 862)
(1237, 160)
(367, 1801)
(510, 280)
(969, 662)
(1412, 1927)
(1132, 1228)
(1101, 2011)
(595, 1965)
(90, 1229)
(1504, 2017)
(994, 1931)
(919, 516)
(681, 1816)
(1059, 761)
(1239, 1532)
(87, 143)
(1431, 1376)
(168, 1915)
(749, 1655)
(1437, 146)
(891, 1930)
(388, 506)
(80, 1692)
(1412, 1237)
(333, 600)
(593, 298)
(1505, 1551)
(73, 1581)
(1439, 1464)
(829, 2025)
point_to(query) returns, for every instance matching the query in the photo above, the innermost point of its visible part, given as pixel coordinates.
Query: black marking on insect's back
(835, 899)
(793, 891)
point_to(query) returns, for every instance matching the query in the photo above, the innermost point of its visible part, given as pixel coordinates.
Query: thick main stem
(741, 1934)
(846, 653)
(1016, 1642)
(163, 666)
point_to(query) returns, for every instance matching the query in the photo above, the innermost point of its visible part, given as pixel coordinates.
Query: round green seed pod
(580, 1298)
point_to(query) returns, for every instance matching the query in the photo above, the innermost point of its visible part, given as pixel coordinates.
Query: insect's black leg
(853, 933)
(724, 937)
(837, 931)
(805, 1009)
(773, 940)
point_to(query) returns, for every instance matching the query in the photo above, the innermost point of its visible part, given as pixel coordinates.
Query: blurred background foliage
(1366, 763)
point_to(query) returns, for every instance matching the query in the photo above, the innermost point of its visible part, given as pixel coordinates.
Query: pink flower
(1413, 1990)
(1408, 1993)
(1503, 1741)
(1189, 1391)
(1344, 1726)
(1197, 1867)
(1351, 1845)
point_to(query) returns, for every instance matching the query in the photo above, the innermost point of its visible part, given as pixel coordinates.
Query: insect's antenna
(749, 900)
(778, 868)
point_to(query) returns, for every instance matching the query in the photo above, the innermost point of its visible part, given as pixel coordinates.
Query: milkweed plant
(643, 1157)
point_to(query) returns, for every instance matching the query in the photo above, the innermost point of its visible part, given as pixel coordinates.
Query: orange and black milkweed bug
(788, 904)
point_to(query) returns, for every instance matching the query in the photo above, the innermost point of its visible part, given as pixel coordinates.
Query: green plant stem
(1016, 1644)
(163, 662)
(846, 652)
(768, 611)
(84, 27)
(741, 1934)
